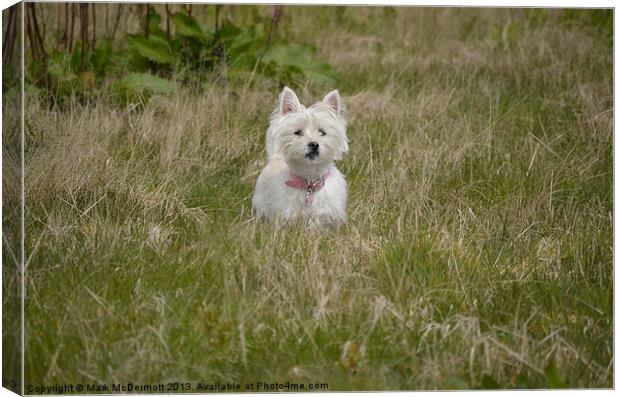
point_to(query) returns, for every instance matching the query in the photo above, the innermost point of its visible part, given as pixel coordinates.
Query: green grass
(477, 253)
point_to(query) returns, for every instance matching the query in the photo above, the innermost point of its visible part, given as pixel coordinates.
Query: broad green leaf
(158, 33)
(228, 32)
(187, 26)
(244, 41)
(319, 79)
(322, 74)
(153, 48)
(298, 55)
(139, 82)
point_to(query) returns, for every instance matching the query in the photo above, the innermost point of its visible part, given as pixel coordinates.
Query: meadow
(477, 251)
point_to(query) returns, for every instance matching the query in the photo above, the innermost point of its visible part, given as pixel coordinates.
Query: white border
(458, 3)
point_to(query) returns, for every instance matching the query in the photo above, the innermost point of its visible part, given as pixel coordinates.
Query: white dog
(300, 180)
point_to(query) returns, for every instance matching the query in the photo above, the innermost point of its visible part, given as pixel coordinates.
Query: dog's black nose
(313, 146)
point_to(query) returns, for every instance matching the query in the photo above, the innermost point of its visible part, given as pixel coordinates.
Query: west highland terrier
(300, 180)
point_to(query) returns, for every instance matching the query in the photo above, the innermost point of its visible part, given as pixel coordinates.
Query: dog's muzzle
(312, 151)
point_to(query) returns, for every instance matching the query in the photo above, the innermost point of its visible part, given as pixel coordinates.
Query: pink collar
(310, 187)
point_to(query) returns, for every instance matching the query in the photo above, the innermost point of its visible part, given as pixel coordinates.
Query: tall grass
(477, 252)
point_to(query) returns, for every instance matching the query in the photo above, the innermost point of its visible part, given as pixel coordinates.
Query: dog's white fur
(287, 152)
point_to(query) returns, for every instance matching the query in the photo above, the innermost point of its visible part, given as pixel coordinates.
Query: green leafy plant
(298, 59)
(152, 61)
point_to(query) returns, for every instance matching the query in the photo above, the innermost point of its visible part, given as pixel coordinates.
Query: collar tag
(310, 187)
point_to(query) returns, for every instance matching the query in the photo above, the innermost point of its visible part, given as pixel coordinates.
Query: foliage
(155, 62)
(136, 85)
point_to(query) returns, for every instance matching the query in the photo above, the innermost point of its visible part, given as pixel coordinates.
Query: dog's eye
(322, 132)
(299, 132)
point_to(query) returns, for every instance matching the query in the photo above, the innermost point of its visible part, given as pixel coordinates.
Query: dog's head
(309, 137)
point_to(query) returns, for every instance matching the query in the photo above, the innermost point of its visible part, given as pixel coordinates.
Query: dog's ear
(332, 99)
(289, 102)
